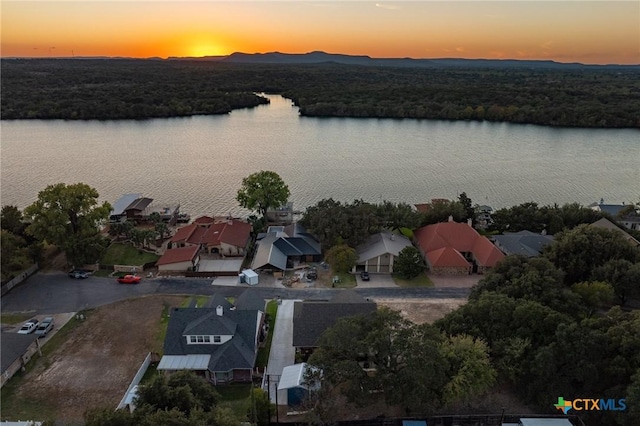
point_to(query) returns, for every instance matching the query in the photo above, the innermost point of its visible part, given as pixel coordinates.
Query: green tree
(469, 369)
(342, 258)
(409, 263)
(467, 204)
(622, 275)
(70, 217)
(535, 279)
(580, 250)
(594, 294)
(11, 219)
(440, 212)
(261, 408)
(263, 190)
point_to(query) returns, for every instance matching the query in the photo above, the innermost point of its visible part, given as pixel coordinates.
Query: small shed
(249, 276)
(292, 380)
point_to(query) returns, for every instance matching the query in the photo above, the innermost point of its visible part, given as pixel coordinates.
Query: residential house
(17, 350)
(228, 237)
(611, 209)
(181, 259)
(607, 224)
(456, 248)
(218, 343)
(526, 243)
(426, 207)
(284, 247)
(378, 253)
(311, 318)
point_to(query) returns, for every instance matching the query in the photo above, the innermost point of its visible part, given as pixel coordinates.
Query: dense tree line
(546, 323)
(334, 222)
(550, 219)
(416, 366)
(19, 249)
(182, 399)
(114, 89)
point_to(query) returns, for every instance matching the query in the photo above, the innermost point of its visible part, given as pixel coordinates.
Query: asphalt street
(55, 292)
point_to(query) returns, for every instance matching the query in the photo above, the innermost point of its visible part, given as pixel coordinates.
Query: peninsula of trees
(137, 89)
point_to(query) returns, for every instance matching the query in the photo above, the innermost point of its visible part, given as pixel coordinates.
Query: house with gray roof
(17, 350)
(218, 343)
(283, 247)
(311, 318)
(607, 224)
(378, 253)
(526, 243)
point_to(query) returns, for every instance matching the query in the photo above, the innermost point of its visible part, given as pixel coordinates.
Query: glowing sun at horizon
(200, 50)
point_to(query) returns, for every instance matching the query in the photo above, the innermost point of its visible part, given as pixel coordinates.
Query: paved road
(282, 351)
(55, 292)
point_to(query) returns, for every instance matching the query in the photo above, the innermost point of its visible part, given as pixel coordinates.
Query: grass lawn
(125, 254)
(236, 397)
(421, 280)
(347, 280)
(263, 353)
(14, 318)
(102, 273)
(15, 406)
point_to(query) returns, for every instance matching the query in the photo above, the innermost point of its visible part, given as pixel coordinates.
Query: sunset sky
(594, 32)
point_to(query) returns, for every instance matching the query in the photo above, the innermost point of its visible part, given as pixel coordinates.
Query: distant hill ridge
(319, 57)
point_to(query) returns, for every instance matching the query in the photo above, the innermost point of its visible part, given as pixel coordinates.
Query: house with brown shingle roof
(229, 237)
(180, 259)
(456, 249)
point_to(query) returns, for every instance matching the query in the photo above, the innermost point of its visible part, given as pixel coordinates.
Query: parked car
(364, 275)
(129, 279)
(45, 327)
(312, 274)
(78, 274)
(29, 327)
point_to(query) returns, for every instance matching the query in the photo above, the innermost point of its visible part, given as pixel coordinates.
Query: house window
(195, 340)
(216, 339)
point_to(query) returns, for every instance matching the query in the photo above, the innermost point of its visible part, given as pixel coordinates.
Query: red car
(129, 279)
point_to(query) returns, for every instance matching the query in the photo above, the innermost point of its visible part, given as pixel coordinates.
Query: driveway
(376, 281)
(282, 351)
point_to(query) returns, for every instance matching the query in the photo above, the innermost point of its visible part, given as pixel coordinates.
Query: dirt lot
(95, 365)
(420, 311)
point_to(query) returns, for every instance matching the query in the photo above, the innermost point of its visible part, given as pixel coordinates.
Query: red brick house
(228, 237)
(452, 248)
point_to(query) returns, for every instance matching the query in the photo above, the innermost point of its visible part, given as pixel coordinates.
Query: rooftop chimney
(219, 310)
(470, 222)
(450, 218)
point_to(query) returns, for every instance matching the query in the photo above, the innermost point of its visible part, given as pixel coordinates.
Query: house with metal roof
(526, 243)
(283, 247)
(218, 343)
(378, 253)
(311, 318)
(119, 207)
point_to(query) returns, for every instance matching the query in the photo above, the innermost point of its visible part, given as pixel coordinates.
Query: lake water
(200, 161)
